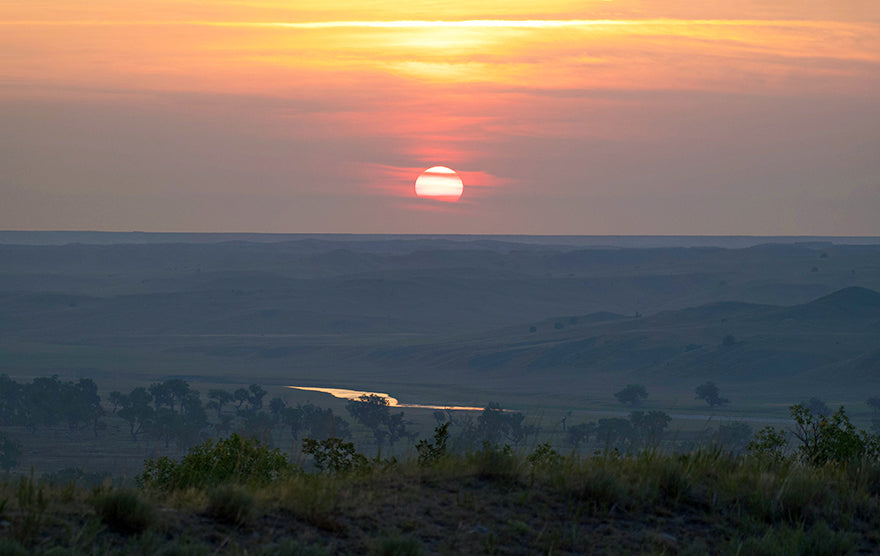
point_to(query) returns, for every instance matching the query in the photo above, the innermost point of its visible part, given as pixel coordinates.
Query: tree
(615, 433)
(258, 424)
(496, 425)
(322, 424)
(632, 395)
(276, 406)
(648, 427)
(372, 412)
(256, 397)
(218, 398)
(709, 392)
(241, 396)
(294, 417)
(874, 403)
(116, 398)
(161, 395)
(137, 412)
(576, 435)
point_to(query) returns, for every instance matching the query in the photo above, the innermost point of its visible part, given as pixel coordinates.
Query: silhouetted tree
(137, 412)
(632, 394)
(709, 392)
(874, 403)
(579, 434)
(276, 406)
(242, 396)
(218, 398)
(496, 425)
(372, 412)
(256, 397)
(648, 427)
(614, 433)
(294, 417)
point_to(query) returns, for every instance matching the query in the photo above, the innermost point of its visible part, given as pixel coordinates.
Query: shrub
(543, 457)
(231, 505)
(124, 511)
(231, 460)
(768, 443)
(431, 452)
(496, 463)
(828, 439)
(335, 455)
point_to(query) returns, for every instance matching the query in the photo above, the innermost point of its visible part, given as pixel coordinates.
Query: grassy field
(487, 502)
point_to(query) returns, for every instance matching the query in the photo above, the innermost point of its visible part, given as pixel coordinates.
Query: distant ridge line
(61, 237)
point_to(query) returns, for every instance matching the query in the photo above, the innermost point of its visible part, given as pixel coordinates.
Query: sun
(439, 183)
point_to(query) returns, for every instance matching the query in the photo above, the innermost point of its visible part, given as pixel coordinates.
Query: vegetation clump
(230, 505)
(335, 455)
(233, 459)
(124, 511)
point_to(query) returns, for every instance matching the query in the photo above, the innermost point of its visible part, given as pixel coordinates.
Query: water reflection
(355, 394)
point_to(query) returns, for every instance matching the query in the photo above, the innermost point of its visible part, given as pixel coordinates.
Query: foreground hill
(491, 502)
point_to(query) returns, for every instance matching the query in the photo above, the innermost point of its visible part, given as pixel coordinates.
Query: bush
(335, 455)
(496, 463)
(832, 438)
(768, 444)
(231, 460)
(544, 457)
(124, 511)
(432, 452)
(230, 505)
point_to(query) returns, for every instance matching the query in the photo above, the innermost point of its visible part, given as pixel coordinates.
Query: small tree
(709, 392)
(874, 403)
(575, 435)
(648, 427)
(632, 395)
(828, 438)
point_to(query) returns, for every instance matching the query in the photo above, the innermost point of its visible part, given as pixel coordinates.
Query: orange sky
(603, 117)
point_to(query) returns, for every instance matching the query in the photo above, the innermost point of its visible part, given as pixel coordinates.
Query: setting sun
(440, 183)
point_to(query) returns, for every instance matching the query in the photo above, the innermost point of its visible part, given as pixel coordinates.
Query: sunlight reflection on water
(355, 394)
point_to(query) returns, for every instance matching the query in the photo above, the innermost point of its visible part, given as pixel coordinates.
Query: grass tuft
(124, 511)
(230, 505)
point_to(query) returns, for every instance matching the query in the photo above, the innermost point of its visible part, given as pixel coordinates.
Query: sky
(625, 117)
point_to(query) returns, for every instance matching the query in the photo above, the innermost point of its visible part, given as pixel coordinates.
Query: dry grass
(483, 503)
